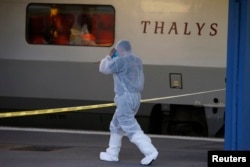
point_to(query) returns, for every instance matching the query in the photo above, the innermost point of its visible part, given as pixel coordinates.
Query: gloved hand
(112, 53)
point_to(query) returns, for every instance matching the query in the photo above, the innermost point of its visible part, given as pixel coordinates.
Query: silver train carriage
(50, 52)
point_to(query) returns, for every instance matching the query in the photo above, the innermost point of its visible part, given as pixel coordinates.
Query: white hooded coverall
(128, 77)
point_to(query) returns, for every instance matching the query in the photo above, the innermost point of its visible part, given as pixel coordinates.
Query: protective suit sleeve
(108, 66)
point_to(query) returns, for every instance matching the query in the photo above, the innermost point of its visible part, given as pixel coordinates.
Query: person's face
(120, 51)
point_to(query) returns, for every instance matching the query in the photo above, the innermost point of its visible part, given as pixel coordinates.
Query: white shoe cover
(112, 152)
(149, 159)
(104, 156)
(143, 142)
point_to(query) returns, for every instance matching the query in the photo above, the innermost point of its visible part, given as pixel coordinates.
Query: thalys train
(50, 53)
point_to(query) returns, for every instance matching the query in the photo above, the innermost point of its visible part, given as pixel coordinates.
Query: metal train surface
(49, 54)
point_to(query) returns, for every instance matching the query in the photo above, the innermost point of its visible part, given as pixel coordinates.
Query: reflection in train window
(63, 24)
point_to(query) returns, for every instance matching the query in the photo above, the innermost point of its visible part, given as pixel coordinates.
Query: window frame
(28, 34)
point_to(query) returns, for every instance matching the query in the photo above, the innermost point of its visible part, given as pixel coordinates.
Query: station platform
(28, 147)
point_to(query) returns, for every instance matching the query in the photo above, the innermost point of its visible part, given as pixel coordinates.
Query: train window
(65, 24)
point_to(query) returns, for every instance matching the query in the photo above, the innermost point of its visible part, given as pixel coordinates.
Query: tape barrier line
(89, 107)
(184, 95)
(55, 110)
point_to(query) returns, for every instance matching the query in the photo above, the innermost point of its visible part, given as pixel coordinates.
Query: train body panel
(182, 45)
(186, 33)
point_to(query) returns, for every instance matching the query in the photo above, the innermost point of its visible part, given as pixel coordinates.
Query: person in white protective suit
(128, 77)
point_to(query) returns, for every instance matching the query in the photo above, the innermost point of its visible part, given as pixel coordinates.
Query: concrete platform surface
(21, 147)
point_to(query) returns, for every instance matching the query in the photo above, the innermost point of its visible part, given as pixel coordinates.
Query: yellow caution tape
(88, 107)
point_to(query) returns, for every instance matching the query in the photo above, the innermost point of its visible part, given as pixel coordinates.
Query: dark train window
(64, 24)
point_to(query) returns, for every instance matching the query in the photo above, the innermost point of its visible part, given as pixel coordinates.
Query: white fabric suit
(128, 77)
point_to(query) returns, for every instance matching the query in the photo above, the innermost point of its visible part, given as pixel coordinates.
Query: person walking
(127, 70)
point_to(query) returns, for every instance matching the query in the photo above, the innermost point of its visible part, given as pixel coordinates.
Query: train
(50, 53)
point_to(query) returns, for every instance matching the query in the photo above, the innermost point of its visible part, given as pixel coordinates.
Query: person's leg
(116, 134)
(112, 152)
(143, 142)
(126, 110)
